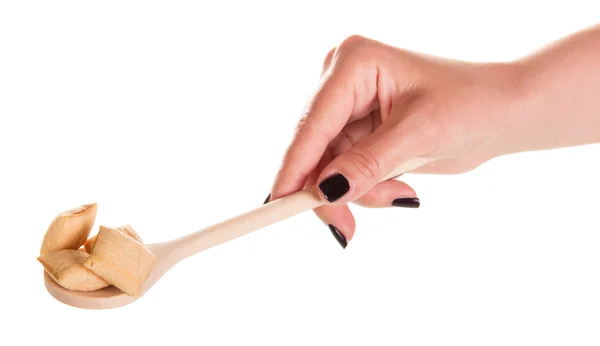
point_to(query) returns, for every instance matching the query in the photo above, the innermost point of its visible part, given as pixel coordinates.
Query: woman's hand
(378, 107)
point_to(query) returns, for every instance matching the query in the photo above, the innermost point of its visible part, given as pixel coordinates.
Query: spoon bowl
(109, 297)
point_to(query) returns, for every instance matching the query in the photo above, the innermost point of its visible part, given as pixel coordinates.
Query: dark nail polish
(267, 200)
(334, 187)
(338, 236)
(407, 202)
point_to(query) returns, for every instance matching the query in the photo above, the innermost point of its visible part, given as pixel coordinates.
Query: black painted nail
(407, 202)
(267, 200)
(338, 236)
(334, 187)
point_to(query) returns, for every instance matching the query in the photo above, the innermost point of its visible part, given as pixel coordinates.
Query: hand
(378, 107)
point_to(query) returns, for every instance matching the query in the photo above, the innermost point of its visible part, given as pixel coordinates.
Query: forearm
(558, 101)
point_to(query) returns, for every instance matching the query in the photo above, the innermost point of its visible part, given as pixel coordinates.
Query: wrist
(554, 100)
(519, 105)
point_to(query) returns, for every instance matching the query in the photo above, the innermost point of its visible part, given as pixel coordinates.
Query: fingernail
(267, 200)
(334, 187)
(407, 202)
(338, 236)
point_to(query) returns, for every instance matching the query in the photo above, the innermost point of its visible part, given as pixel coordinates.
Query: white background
(173, 115)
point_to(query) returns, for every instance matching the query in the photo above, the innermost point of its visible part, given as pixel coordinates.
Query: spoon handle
(261, 217)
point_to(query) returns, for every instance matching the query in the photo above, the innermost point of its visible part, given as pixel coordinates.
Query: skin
(378, 106)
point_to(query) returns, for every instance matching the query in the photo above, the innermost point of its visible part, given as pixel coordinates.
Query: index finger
(325, 116)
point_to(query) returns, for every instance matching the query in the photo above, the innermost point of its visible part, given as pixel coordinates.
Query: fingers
(348, 91)
(356, 171)
(325, 117)
(408, 134)
(390, 193)
(352, 86)
(338, 219)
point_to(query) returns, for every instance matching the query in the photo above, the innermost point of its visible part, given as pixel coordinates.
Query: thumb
(355, 172)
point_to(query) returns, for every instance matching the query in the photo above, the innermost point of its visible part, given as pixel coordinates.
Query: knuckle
(365, 162)
(351, 47)
(347, 53)
(352, 42)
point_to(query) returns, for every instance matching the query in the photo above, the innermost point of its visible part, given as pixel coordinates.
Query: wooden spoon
(171, 252)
